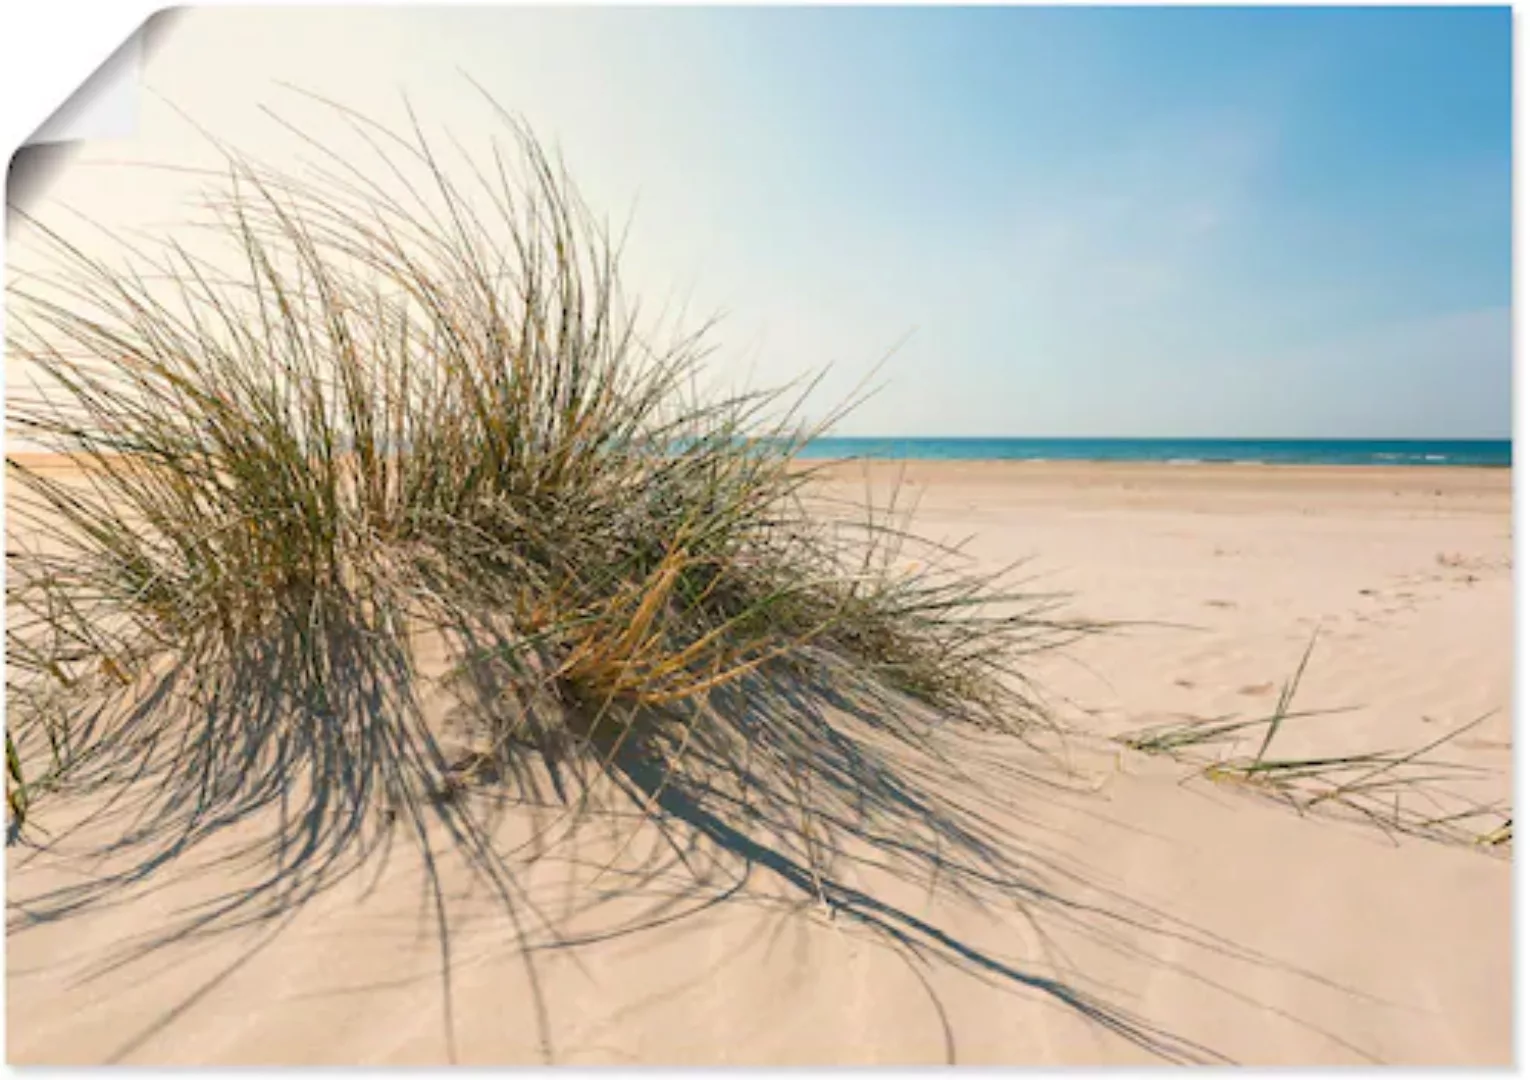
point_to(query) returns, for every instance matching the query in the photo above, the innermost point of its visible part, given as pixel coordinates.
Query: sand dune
(1061, 903)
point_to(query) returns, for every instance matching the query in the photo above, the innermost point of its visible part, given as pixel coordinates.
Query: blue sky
(1150, 221)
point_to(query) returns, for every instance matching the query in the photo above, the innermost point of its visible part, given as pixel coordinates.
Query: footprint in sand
(1256, 690)
(1221, 604)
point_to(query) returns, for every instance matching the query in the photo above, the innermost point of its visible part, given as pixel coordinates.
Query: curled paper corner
(105, 106)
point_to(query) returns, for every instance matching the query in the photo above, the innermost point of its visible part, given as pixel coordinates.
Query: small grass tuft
(1370, 786)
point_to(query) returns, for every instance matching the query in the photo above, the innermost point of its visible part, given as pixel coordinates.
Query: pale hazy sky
(1093, 222)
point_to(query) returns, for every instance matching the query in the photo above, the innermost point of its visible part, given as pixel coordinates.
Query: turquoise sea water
(1481, 453)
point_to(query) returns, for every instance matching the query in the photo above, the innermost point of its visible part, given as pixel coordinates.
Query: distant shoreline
(1376, 453)
(888, 459)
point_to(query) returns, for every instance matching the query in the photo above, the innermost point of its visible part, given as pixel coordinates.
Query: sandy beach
(1404, 573)
(1102, 906)
(426, 645)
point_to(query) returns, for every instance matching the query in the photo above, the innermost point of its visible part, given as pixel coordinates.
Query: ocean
(1478, 453)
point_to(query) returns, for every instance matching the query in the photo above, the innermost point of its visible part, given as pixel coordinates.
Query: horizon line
(1194, 438)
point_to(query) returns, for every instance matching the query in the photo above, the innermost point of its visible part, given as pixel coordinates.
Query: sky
(1062, 221)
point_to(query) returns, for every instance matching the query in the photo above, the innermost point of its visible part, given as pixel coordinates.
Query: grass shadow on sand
(830, 796)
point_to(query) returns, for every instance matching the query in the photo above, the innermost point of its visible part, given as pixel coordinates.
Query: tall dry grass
(400, 399)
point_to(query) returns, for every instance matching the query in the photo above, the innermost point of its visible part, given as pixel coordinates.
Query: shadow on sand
(287, 769)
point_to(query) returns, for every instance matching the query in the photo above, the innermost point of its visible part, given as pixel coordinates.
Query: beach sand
(1100, 907)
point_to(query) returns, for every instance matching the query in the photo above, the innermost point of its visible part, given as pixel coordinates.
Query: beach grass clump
(1396, 791)
(382, 403)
